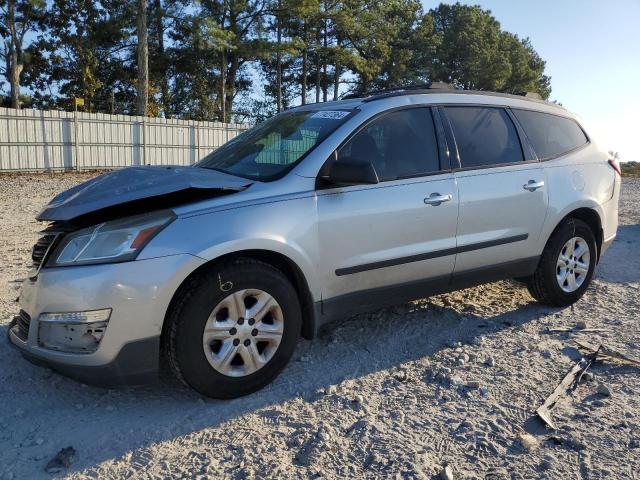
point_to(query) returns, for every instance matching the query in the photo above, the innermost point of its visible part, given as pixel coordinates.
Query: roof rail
(399, 90)
(535, 95)
(441, 87)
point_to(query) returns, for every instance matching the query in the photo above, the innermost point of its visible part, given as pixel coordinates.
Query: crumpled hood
(134, 185)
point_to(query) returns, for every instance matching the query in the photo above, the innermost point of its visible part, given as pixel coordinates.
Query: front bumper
(135, 364)
(138, 293)
(606, 244)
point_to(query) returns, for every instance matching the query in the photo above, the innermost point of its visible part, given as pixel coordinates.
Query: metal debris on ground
(574, 330)
(572, 379)
(569, 382)
(61, 461)
(609, 354)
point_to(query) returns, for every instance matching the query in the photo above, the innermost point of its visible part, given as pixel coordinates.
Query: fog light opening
(73, 332)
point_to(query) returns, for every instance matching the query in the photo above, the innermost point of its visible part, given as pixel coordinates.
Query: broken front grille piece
(21, 328)
(45, 245)
(41, 248)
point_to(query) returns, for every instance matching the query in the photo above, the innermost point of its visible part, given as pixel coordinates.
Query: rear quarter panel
(580, 179)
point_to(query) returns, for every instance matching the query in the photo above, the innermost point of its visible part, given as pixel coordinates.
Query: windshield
(269, 150)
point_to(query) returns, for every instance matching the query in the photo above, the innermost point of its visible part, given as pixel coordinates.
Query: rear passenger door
(503, 193)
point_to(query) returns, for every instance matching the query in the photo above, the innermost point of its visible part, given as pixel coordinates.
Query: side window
(550, 135)
(400, 144)
(484, 135)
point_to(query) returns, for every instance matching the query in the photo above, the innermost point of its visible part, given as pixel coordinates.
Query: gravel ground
(402, 392)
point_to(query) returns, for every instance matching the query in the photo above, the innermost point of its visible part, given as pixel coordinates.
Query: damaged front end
(73, 332)
(80, 321)
(137, 190)
(90, 211)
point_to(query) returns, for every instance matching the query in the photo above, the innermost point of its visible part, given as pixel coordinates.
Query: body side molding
(429, 255)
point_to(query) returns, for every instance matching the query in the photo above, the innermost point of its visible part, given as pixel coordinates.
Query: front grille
(41, 248)
(49, 240)
(23, 320)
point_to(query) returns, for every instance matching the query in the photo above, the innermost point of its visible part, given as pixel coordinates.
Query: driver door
(392, 241)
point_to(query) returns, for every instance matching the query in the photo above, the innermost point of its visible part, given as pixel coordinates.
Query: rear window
(550, 135)
(484, 136)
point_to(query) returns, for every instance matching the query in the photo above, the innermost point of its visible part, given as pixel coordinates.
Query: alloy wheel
(243, 332)
(573, 264)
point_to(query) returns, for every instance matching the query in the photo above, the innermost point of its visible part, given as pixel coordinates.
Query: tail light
(615, 165)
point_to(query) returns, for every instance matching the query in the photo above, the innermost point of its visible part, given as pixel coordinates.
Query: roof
(419, 90)
(354, 101)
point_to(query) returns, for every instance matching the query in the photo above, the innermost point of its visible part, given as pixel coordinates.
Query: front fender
(294, 252)
(288, 228)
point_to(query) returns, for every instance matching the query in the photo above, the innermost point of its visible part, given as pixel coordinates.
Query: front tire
(233, 328)
(566, 266)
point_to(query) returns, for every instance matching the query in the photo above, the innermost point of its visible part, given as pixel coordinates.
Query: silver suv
(318, 213)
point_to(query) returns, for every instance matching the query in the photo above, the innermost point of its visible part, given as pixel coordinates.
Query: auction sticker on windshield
(332, 114)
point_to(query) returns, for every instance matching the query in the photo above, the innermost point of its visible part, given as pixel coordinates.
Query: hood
(127, 191)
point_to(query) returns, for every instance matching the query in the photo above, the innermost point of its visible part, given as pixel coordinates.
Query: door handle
(532, 185)
(436, 199)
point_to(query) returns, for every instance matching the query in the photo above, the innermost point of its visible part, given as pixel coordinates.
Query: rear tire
(566, 266)
(207, 321)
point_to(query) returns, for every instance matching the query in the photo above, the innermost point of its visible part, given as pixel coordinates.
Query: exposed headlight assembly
(110, 242)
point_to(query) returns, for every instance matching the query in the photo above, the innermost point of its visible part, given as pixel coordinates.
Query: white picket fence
(55, 140)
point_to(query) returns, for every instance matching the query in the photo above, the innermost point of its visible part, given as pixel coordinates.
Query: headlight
(115, 241)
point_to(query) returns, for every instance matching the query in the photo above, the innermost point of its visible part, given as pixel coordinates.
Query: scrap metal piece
(607, 353)
(574, 330)
(569, 382)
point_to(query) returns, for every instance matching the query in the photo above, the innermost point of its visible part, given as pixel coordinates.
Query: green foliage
(385, 41)
(18, 18)
(630, 169)
(474, 53)
(250, 58)
(83, 42)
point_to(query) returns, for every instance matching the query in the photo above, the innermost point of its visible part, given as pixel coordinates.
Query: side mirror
(351, 171)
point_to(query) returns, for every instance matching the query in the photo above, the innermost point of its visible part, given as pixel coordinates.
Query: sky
(592, 50)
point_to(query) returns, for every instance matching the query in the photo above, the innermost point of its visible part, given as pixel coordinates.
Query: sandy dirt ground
(400, 393)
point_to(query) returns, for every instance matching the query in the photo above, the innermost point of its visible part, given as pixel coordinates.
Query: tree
(17, 18)
(196, 66)
(142, 54)
(227, 33)
(380, 37)
(200, 60)
(469, 55)
(85, 44)
(474, 53)
(527, 68)
(285, 52)
(241, 20)
(303, 15)
(163, 16)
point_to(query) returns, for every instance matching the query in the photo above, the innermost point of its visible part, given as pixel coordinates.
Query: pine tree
(17, 18)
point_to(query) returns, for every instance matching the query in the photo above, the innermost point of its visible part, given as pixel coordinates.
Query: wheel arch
(591, 217)
(277, 260)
